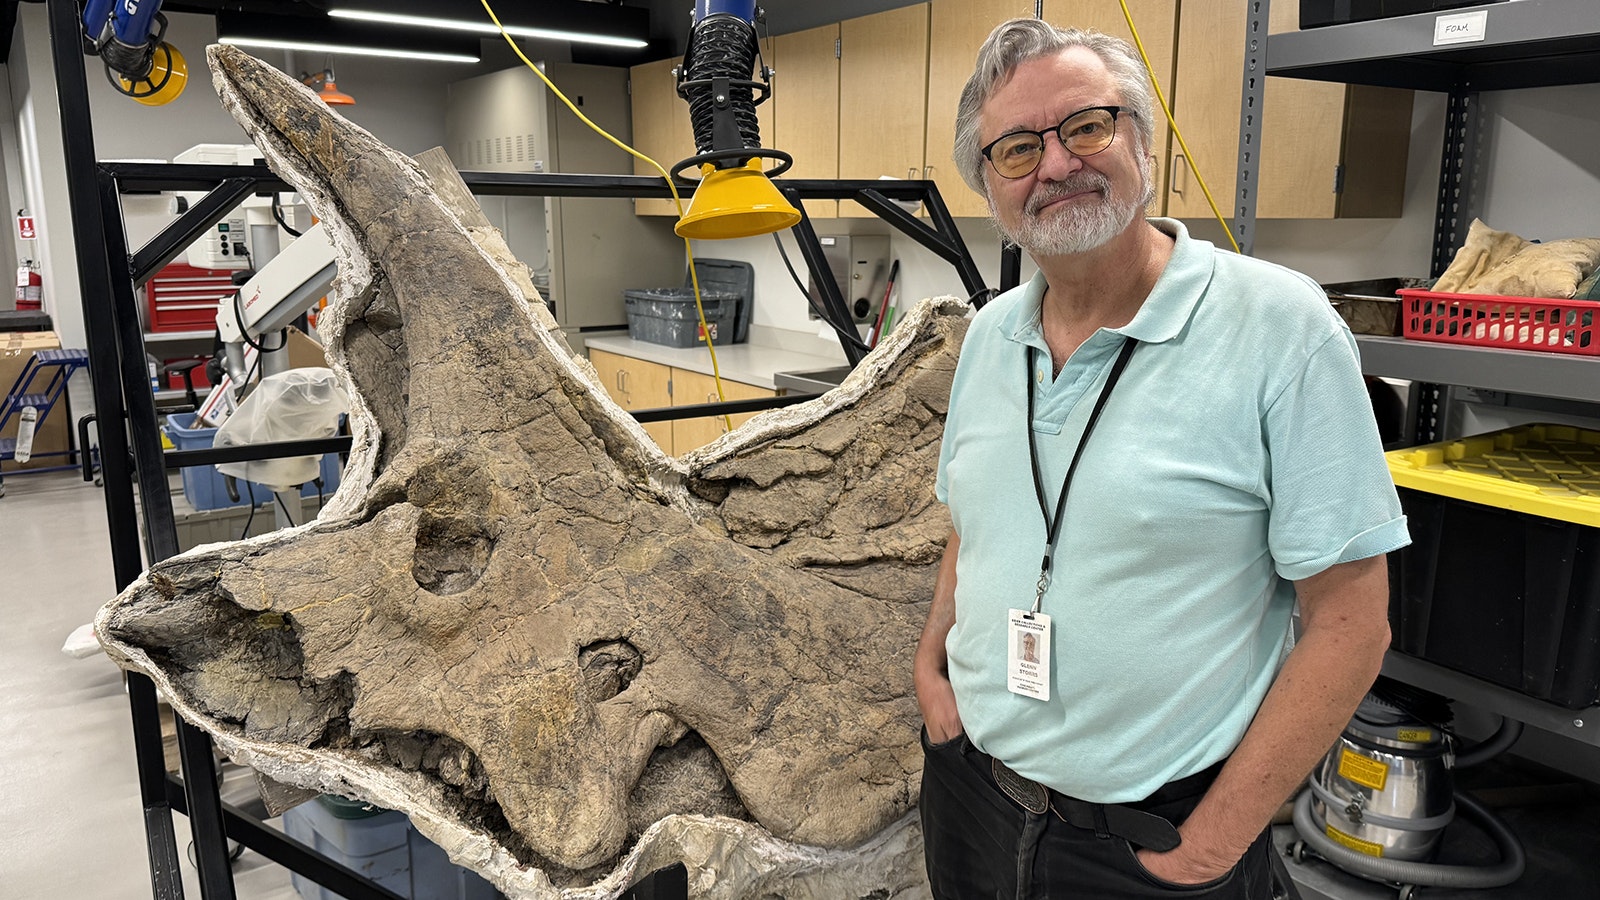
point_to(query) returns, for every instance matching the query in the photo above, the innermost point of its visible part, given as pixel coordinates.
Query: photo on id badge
(1028, 654)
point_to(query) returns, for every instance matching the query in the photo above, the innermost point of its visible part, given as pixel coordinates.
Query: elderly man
(1154, 450)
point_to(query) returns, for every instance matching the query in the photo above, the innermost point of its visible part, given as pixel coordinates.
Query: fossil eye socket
(608, 668)
(451, 554)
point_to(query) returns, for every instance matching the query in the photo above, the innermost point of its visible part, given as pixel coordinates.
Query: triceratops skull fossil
(522, 623)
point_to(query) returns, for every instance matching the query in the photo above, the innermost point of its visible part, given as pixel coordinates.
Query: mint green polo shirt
(1237, 454)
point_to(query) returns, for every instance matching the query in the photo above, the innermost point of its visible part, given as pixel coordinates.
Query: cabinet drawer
(637, 384)
(691, 388)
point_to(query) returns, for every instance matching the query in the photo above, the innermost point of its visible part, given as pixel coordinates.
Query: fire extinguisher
(30, 286)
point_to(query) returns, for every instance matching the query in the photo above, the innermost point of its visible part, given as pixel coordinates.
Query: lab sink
(811, 381)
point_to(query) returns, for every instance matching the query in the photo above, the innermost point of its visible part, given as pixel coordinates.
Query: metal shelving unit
(1528, 43)
(1512, 371)
(1582, 725)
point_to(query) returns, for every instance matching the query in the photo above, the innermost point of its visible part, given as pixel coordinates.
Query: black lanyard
(1053, 523)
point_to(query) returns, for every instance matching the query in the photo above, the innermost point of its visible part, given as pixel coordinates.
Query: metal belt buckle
(1029, 794)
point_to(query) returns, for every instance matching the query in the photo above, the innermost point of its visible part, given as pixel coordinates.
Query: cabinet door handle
(1179, 164)
(927, 173)
(622, 380)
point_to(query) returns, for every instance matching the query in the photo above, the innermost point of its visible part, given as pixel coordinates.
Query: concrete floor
(70, 821)
(70, 824)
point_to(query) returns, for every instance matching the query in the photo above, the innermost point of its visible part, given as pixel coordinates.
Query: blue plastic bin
(203, 486)
(380, 845)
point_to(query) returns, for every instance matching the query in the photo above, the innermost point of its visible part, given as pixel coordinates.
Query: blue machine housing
(739, 8)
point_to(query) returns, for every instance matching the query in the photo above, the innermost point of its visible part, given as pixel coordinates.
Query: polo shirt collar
(1164, 313)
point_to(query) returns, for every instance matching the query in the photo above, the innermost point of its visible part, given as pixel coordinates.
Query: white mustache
(1083, 181)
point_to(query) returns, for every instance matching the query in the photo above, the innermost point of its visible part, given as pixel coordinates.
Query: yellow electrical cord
(694, 277)
(1156, 83)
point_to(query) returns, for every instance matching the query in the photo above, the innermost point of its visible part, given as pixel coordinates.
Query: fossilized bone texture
(568, 656)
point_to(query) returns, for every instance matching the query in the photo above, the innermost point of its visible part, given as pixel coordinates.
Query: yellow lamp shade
(735, 203)
(168, 70)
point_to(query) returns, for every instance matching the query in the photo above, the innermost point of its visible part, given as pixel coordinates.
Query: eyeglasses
(1084, 133)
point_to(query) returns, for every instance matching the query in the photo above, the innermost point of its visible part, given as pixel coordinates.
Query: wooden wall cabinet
(690, 388)
(886, 106)
(637, 384)
(957, 28)
(805, 107)
(1158, 24)
(640, 384)
(883, 97)
(1327, 151)
(662, 129)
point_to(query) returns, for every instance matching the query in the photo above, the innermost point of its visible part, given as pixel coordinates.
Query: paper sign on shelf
(1461, 28)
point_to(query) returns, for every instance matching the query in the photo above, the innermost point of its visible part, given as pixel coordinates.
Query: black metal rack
(132, 456)
(1529, 43)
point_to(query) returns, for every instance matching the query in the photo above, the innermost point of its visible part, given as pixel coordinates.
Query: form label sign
(1461, 28)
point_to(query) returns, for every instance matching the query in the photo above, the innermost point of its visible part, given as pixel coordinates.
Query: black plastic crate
(1318, 13)
(1509, 597)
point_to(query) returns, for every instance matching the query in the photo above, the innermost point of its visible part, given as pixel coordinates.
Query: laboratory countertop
(753, 364)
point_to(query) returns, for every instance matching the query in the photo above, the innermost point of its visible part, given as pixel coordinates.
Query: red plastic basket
(1512, 323)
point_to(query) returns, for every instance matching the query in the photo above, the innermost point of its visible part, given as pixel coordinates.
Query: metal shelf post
(95, 279)
(1253, 95)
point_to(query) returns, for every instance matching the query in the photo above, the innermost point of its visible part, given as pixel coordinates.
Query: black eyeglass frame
(1115, 111)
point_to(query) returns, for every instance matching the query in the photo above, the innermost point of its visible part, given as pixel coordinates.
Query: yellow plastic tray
(1545, 470)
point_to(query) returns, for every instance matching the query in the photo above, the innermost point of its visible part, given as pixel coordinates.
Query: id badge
(1028, 654)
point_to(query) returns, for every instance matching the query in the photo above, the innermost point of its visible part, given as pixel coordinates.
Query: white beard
(1080, 227)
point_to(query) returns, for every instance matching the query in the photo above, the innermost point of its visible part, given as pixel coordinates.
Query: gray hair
(1015, 42)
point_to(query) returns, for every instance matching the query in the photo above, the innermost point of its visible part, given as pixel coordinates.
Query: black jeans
(981, 844)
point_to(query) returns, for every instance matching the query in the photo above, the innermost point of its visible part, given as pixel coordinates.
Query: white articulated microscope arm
(286, 287)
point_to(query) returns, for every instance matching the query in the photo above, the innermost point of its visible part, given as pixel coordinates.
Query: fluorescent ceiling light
(550, 34)
(348, 49)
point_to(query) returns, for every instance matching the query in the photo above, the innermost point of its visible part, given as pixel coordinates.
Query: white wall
(402, 103)
(1543, 162)
(42, 175)
(780, 303)
(10, 184)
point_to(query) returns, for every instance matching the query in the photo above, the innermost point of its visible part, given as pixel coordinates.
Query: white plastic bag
(297, 405)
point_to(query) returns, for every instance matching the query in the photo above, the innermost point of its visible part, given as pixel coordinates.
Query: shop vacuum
(1378, 804)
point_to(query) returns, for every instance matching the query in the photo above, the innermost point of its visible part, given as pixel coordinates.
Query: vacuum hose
(722, 46)
(1512, 858)
(1499, 742)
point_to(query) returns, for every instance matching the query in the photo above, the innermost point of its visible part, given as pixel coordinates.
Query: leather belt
(1139, 828)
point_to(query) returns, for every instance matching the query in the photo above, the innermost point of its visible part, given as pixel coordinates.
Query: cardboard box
(50, 434)
(305, 352)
